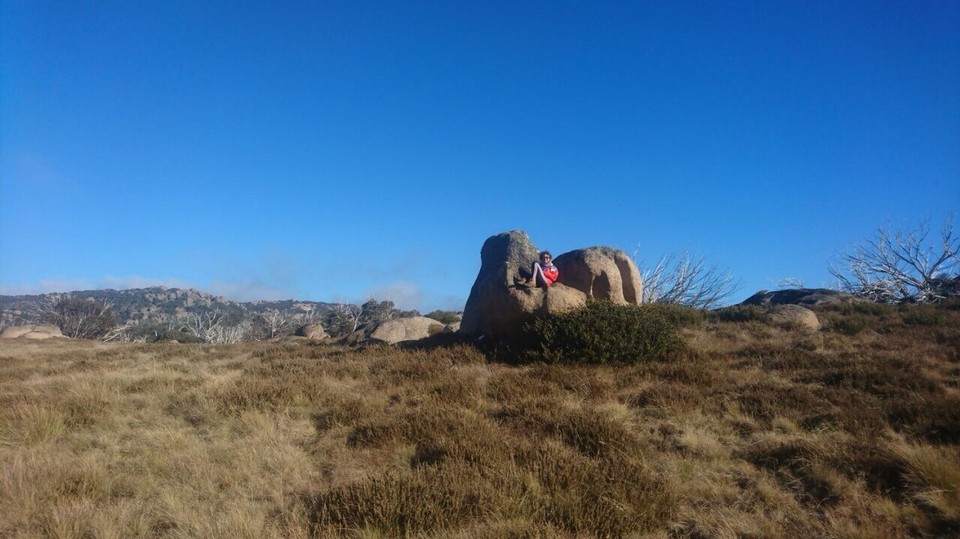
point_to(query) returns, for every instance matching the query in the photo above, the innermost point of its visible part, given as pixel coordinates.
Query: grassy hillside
(750, 431)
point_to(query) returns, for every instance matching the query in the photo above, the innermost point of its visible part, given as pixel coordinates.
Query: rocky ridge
(157, 304)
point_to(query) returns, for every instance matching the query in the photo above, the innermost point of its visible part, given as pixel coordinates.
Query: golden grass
(752, 432)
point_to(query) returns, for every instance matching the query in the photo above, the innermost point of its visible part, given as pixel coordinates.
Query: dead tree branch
(686, 280)
(901, 266)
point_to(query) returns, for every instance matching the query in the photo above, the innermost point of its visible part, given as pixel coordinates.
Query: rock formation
(793, 316)
(405, 329)
(312, 331)
(800, 296)
(31, 332)
(601, 273)
(497, 306)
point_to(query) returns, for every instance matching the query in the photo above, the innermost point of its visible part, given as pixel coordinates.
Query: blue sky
(341, 150)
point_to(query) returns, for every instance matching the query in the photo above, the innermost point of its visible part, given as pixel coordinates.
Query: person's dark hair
(545, 253)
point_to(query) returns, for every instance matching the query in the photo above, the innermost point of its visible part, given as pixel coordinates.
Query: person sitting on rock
(544, 272)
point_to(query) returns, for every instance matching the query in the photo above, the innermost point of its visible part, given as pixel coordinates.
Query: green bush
(679, 315)
(602, 332)
(737, 313)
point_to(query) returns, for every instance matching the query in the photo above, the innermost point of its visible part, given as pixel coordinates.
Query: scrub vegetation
(742, 430)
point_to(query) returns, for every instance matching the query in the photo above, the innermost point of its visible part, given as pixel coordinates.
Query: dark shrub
(602, 332)
(861, 307)
(157, 332)
(737, 313)
(922, 315)
(850, 325)
(679, 315)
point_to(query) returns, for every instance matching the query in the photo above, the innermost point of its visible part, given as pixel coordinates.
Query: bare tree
(344, 319)
(686, 280)
(229, 334)
(273, 323)
(76, 317)
(201, 325)
(119, 333)
(302, 319)
(209, 327)
(902, 266)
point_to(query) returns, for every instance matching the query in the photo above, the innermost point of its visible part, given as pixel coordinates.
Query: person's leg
(538, 276)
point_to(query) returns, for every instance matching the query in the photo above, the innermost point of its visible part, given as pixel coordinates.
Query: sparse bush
(602, 332)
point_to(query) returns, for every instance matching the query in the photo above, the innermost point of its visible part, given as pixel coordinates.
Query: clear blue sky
(341, 150)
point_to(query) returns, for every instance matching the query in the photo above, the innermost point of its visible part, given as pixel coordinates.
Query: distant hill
(159, 304)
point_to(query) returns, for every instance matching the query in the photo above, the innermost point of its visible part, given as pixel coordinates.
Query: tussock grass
(747, 431)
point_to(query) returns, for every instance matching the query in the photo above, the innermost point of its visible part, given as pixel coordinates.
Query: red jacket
(550, 273)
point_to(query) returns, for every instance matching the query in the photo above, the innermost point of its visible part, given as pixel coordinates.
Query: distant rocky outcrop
(405, 329)
(497, 306)
(159, 305)
(800, 296)
(36, 332)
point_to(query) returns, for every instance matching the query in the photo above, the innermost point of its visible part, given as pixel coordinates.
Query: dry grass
(752, 432)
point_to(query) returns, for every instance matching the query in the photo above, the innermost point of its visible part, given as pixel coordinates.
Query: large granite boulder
(793, 317)
(405, 329)
(37, 332)
(601, 273)
(497, 306)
